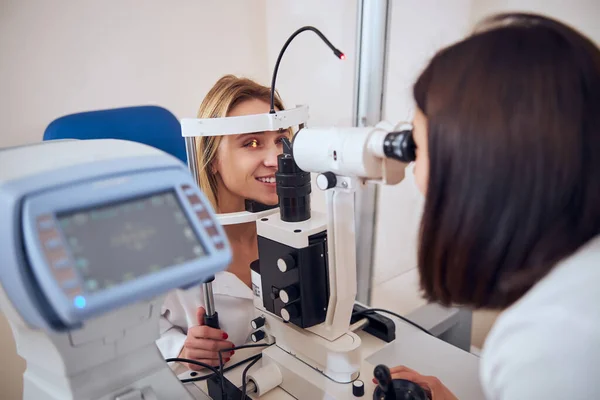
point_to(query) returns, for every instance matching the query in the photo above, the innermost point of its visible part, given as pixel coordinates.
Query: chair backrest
(150, 125)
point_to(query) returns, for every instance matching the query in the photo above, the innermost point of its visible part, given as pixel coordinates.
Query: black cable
(187, 360)
(245, 346)
(244, 375)
(374, 310)
(201, 364)
(231, 367)
(337, 53)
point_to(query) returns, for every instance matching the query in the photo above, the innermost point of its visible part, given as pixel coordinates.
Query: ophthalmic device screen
(147, 233)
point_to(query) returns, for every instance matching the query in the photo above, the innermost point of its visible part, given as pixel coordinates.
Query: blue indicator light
(79, 302)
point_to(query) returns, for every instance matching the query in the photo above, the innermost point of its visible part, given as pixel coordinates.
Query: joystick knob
(395, 389)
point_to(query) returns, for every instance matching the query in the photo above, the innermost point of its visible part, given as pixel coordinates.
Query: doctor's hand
(203, 343)
(433, 386)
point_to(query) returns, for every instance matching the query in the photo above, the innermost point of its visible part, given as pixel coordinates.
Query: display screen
(122, 241)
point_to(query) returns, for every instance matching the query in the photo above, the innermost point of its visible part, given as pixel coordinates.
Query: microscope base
(302, 382)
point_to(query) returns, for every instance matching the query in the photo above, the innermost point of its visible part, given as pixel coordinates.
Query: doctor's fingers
(207, 344)
(432, 385)
(206, 332)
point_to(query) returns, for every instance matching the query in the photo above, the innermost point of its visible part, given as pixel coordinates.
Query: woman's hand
(203, 343)
(433, 386)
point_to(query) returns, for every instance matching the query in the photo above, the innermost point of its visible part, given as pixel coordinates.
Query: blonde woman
(232, 168)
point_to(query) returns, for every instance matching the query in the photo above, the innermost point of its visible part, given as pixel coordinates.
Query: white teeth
(267, 180)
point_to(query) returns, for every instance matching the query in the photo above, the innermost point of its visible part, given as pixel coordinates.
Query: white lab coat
(547, 345)
(233, 302)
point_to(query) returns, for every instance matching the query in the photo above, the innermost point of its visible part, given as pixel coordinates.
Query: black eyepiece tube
(293, 187)
(400, 146)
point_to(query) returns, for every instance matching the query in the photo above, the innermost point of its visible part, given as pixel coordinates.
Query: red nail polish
(232, 352)
(375, 381)
(227, 360)
(225, 336)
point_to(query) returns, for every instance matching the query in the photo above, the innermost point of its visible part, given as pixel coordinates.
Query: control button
(258, 322)
(198, 207)
(358, 388)
(46, 224)
(289, 294)
(326, 180)
(212, 231)
(289, 312)
(208, 223)
(188, 190)
(286, 263)
(194, 199)
(218, 239)
(65, 275)
(61, 263)
(53, 243)
(274, 295)
(257, 336)
(70, 284)
(73, 292)
(220, 246)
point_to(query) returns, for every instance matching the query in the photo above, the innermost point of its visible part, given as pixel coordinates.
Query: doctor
(232, 168)
(508, 158)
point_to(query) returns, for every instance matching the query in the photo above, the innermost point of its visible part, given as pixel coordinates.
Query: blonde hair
(228, 92)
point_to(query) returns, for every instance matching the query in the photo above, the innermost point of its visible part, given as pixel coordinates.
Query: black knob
(358, 388)
(286, 263)
(289, 294)
(384, 377)
(258, 322)
(396, 389)
(326, 180)
(257, 336)
(289, 312)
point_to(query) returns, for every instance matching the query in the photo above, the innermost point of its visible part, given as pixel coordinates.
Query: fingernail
(375, 381)
(225, 336)
(227, 360)
(232, 352)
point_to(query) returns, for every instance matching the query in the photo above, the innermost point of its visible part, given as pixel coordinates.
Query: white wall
(59, 57)
(309, 73)
(418, 30)
(583, 15)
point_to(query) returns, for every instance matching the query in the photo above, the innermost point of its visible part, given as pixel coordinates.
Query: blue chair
(150, 125)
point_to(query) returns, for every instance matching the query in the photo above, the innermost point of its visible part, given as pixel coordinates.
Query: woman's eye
(252, 144)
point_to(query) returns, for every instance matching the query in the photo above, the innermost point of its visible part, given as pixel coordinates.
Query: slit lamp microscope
(304, 280)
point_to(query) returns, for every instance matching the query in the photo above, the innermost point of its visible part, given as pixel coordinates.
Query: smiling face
(246, 164)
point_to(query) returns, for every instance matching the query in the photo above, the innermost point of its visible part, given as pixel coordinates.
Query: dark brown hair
(513, 115)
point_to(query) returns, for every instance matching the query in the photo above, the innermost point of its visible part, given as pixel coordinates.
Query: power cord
(187, 360)
(381, 310)
(201, 364)
(245, 373)
(231, 367)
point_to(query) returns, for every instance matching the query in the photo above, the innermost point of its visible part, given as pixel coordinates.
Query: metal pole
(372, 41)
(211, 318)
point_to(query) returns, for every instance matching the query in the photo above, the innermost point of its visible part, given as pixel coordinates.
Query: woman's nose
(271, 156)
